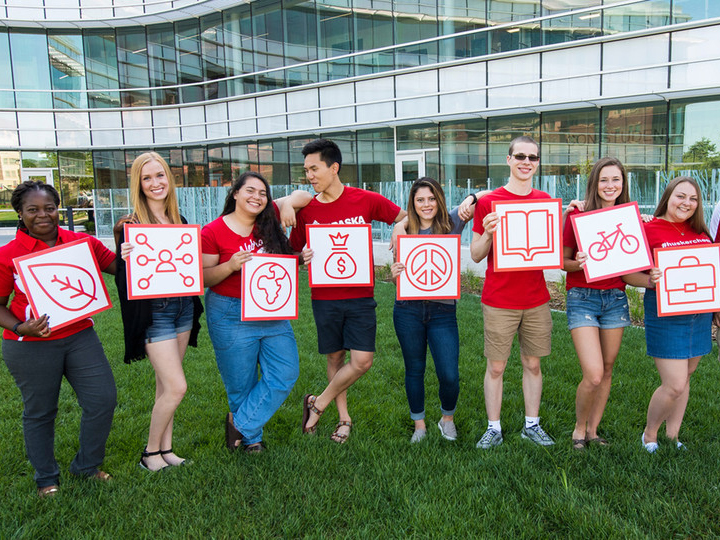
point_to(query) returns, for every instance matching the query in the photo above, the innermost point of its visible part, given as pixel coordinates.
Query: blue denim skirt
(678, 336)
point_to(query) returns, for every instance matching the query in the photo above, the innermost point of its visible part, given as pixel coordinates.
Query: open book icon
(527, 233)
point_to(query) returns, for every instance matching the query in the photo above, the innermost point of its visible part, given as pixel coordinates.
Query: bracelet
(474, 198)
(650, 283)
(14, 328)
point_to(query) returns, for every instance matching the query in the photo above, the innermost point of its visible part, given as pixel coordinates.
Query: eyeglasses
(522, 157)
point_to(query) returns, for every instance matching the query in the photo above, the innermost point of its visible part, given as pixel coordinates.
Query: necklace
(682, 232)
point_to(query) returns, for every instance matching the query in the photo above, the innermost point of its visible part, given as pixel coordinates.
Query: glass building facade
(406, 87)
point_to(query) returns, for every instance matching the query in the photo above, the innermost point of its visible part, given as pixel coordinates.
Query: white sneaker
(651, 446)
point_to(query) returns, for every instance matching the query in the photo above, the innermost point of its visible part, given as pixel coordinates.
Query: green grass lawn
(378, 485)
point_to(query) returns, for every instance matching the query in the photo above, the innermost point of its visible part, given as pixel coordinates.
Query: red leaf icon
(69, 286)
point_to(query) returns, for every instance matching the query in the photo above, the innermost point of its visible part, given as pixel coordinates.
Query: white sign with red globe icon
(342, 255)
(432, 267)
(165, 262)
(270, 287)
(63, 282)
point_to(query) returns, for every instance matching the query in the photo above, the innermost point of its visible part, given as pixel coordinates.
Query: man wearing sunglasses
(513, 303)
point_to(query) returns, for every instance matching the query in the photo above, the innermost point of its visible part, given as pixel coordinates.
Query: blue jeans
(240, 348)
(420, 323)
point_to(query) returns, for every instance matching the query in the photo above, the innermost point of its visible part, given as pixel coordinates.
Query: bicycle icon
(599, 250)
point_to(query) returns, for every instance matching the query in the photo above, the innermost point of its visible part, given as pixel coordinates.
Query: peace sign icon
(429, 267)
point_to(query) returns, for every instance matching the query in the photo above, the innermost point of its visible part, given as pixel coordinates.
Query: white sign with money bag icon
(270, 287)
(342, 255)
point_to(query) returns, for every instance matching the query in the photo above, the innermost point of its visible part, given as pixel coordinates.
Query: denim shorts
(345, 324)
(601, 308)
(171, 316)
(678, 337)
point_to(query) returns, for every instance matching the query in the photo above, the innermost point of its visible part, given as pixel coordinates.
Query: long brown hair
(592, 198)
(697, 220)
(142, 212)
(441, 222)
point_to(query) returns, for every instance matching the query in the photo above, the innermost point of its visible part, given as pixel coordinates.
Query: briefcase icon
(690, 282)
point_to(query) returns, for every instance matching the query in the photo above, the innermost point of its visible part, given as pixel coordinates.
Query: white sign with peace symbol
(432, 267)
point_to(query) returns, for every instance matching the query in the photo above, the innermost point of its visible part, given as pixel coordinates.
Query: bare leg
(610, 341)
(589, 351)
(674, 420)
(531, 384)
(493, 386)
(668, 397)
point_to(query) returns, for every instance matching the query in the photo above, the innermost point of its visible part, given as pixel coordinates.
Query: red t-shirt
(577, 279)
(218, 239)
(524, 289)
(25, 244)
(662, 233)
(353, 206)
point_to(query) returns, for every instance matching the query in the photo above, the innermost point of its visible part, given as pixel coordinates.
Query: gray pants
(38, 368)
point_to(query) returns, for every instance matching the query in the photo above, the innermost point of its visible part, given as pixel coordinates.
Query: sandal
(341, 438)
(599, 441)
(182, 462)
(101, 476)
(255, 448)
(144, 465)
(579, 444)
(232, 435)
(47, 491)
(308, 407)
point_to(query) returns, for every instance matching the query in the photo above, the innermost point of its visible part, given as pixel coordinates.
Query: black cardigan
(137, 314)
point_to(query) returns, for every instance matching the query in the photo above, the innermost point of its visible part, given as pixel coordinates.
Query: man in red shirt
(344, 316)
(513, 302)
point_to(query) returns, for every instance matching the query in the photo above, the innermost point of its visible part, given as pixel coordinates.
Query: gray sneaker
(491, 437)
(447, 430)
(418, 435)
(537, 435)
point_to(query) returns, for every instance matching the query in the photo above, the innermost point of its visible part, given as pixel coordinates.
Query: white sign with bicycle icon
(166, 261)
(614, 241)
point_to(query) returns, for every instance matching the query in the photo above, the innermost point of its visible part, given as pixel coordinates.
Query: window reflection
(31, 69)
(162, 63)
(67, 70)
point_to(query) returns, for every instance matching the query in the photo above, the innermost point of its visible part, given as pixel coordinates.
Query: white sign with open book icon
(689, 282)
(614, 240)
(432, 266)
(528, 236)
(342, 255)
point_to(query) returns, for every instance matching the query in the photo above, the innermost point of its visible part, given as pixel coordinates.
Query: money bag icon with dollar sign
(340, 265)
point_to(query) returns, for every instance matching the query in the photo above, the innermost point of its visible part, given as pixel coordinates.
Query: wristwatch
(14, 328)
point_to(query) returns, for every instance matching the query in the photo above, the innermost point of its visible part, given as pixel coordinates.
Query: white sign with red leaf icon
(689, 281)
(528, 236)
(432, 267)
(165, 262)
(270, 287)
(614, 240)
(342, 255)
(63, 282)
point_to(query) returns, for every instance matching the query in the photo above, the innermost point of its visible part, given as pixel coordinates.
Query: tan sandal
(341, 438)
(101, 476)
(47, 491)
(308, 407)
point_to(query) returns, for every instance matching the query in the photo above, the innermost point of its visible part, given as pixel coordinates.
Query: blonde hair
(142, 211)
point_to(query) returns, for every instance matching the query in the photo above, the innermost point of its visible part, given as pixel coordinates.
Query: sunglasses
(522, 157)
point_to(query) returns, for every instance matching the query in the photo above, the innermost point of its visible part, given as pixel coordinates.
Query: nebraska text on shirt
(346, 221)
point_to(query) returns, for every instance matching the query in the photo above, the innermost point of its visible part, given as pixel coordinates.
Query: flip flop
(232, 435)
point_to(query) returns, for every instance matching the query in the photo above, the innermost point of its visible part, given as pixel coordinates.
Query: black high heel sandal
(146, 454)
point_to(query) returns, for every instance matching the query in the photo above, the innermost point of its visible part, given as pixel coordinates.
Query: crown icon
(339, 240)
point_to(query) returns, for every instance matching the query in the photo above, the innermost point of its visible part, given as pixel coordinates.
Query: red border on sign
(245, 287)
(558, 237)
(197, 291)
(660, 289)
(573, 219)
(58, 248)
(455, 249)
(370, 278)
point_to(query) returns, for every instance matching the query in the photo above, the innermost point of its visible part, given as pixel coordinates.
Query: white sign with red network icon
(614, 241)
(689, 281)
(342, 255)
(165, 262)
(63, 282)
(270, 287)
(432, 267)
(528, 236)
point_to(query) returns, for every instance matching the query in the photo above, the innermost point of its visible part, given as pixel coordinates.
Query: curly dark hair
(267, 226)
(17, 199)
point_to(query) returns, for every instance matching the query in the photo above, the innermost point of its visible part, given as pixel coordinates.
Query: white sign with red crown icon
(432, 264)
(166, 261)
(342, 255)
(63, 282)
(269, 287)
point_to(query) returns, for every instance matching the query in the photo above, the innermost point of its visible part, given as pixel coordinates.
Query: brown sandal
(48, 491)
(341, 438)
(232, 435)
(101, 476)
(579, 444)
(308, 407)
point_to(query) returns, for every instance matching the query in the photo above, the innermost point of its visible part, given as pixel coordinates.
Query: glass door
(409, 166)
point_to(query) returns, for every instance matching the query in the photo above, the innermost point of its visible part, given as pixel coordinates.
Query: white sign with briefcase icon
(689, 281)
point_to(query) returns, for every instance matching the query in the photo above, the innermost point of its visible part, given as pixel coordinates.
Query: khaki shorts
(533, 327)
